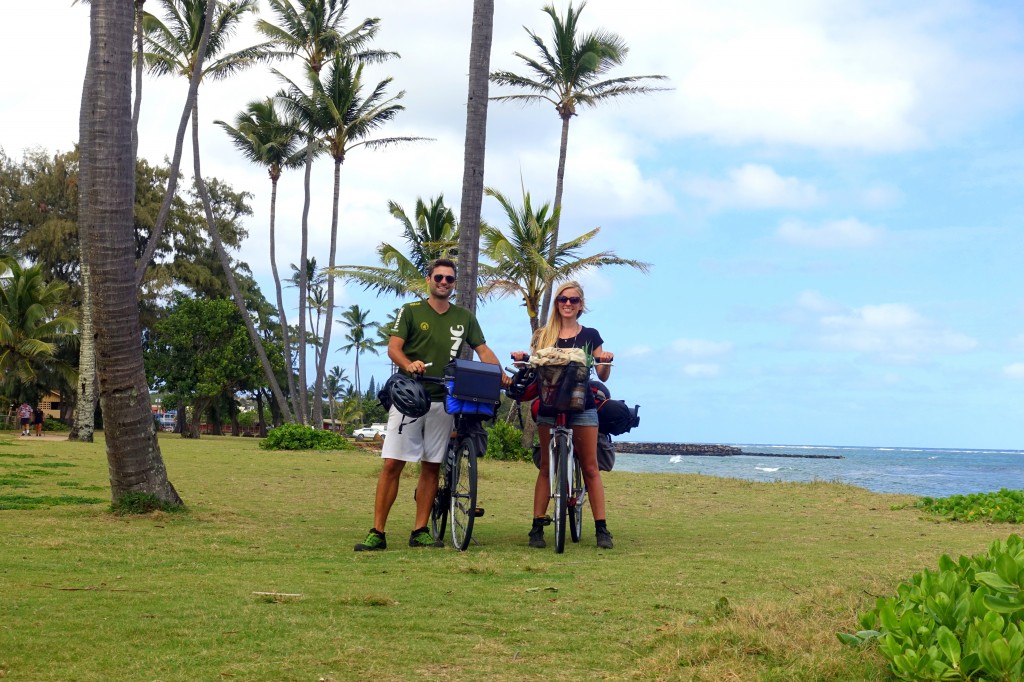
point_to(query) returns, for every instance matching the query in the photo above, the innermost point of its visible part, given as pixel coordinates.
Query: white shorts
(423, 440)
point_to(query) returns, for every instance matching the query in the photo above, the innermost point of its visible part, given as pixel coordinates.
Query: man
(426, 336)
(25, 414)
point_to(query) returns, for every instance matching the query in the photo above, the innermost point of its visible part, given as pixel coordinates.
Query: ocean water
(913, 471)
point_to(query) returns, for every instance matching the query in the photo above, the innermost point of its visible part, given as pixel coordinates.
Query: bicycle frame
(454, 503)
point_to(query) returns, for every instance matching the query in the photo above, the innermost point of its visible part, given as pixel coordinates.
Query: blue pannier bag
(473, 387)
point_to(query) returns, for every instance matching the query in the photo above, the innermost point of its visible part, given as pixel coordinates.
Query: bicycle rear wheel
(439, 510)
(463, 493)
(577, 501)
(561, 455)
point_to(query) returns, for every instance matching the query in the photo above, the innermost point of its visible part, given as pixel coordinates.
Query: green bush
(50, 424)
(504, 442)
(298, 437)
(962, 623)
(1005, 506)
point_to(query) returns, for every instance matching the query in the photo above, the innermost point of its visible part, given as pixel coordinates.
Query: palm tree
(343, 118)
(571, 74)
(106, 217)
(314, 29)
(521, 261)
(473, 149)
(31, 327)
(434, 233)
(334, 386)
(179, 47)
(182, 46)
(355, 319)
(269, 139)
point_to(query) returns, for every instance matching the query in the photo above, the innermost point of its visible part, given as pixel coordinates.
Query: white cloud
(699, 348)
(813, 302)
(754, 186)
(894, 330)
(836, 234)
(1014, 370)
(881, 196)
(701, 370)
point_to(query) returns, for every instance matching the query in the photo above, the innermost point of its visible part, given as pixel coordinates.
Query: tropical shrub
(1005, 506)
(963, 622)
(503, 443)
(51, 424)
(298, 437)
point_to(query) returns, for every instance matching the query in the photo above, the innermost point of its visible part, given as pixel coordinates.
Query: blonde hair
(547, 336)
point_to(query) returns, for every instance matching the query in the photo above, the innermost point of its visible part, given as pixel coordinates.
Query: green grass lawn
(710, 579)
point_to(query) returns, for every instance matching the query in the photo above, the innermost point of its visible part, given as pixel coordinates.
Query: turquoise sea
(914, 471)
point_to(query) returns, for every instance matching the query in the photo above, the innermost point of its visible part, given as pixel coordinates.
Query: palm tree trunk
(85, 405)
(321, 368)
(179, 142)
(285, 337)
(107, 185)
(236, 294)
(261, 421)
(139, 65)
(303, 259)
(474, 152)
(559, 181)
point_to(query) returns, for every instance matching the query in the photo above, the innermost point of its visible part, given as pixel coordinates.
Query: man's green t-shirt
(436, 338)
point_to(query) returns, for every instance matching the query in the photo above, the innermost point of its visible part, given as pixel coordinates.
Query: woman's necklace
(579, 328)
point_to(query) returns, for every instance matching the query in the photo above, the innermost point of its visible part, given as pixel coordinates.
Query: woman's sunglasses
(575, 300)
(449, 279)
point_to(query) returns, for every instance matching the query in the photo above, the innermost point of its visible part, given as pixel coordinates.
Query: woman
(563, 330)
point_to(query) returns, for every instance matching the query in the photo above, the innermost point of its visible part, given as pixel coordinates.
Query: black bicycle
(455, 504)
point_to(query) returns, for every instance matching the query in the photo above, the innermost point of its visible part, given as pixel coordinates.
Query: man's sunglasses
(449, 279)
(575, 300)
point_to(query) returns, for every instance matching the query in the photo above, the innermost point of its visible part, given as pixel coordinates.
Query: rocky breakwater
(704, 450)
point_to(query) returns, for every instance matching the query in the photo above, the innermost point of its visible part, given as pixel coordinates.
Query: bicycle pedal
(478, 512)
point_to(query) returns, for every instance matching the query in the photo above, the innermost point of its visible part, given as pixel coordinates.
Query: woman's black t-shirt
(589, 339)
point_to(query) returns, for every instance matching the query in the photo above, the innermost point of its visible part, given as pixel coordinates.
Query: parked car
(371, 432)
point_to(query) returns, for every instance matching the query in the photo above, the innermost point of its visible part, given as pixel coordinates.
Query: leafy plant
(962, 623)
(1006, 506)
(504, 443)
(298, 437)
(50, 424)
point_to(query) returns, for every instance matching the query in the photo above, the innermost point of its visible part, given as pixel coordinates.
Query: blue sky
(830, 199)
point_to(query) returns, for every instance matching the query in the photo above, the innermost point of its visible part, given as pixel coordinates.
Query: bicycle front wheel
(561, 455)
(463, 494)
(577, 501)
(439, 510)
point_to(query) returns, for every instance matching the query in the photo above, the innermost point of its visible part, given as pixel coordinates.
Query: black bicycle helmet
(522, 380)
(409, 396)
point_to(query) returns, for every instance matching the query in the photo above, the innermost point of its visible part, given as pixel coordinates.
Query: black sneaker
(604, 539)
(421, 537)
(537, 534)
(374, 541)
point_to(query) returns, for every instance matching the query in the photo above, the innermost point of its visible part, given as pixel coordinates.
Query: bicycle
(568, 490)
(454, 503)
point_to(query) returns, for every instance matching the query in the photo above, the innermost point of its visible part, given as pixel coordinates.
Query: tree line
(335, 107)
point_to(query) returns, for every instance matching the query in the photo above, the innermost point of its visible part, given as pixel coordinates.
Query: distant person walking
(25, 414)
(37, 421)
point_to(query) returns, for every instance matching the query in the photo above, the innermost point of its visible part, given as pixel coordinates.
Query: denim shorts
(584, 418)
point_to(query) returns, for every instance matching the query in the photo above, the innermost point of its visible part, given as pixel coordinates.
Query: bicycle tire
(440, 509)
(561, 454)
(577, 501)
(463, 494)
